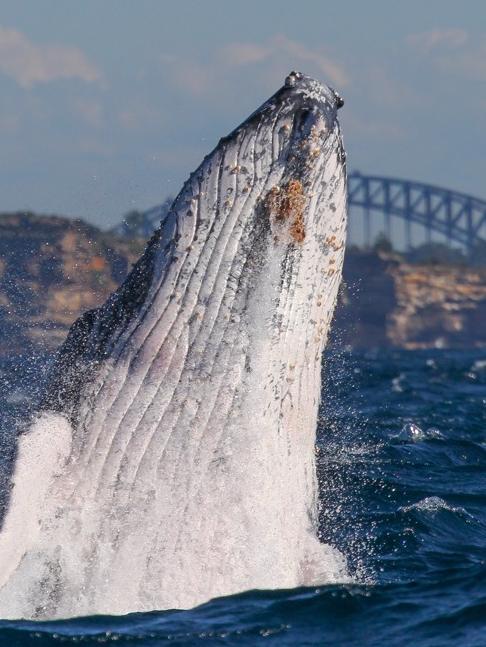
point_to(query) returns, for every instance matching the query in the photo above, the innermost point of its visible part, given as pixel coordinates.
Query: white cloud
(468, 64)
(28, 63)
(330, 68)
(94, 146)
(217, 78)
(285, 49)
(128, 119)
(387, 89)
(245, 53)
(194, 76)
(139, 116)
(452, 52)
(372, 129)
(90, 110)
(428, 41)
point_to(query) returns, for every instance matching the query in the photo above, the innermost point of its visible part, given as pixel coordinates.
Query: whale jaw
(192, 394)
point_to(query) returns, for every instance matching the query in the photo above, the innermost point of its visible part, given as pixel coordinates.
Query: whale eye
(339, 99)
(302, 117)
(292, 78)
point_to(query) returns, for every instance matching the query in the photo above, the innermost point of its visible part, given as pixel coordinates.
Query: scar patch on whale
(286, 204)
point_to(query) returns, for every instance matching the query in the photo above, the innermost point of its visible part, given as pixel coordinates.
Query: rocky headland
(386, 301)
(53, 268)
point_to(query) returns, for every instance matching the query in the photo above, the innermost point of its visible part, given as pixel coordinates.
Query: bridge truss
(458, 218)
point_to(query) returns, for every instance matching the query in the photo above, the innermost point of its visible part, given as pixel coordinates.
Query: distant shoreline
(53, 268)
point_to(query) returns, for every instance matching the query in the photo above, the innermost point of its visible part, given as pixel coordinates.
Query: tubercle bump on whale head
(299, 93)
(312, 89)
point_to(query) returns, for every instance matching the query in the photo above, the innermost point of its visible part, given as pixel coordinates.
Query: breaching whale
(172, 457)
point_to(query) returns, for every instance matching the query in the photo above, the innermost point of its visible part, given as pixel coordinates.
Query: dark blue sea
(402, 470)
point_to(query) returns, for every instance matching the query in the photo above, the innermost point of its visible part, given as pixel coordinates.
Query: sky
(108, 105)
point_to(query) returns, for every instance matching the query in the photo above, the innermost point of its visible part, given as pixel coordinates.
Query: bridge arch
(459, 218)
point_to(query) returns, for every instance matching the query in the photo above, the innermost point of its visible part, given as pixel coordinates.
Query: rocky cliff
(52, 269)
(386, 301)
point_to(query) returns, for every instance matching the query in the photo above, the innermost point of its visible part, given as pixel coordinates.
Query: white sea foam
(412, 432)
(433, 504)
(43, 450)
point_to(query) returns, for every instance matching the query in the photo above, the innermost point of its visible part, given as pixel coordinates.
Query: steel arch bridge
(459, 218)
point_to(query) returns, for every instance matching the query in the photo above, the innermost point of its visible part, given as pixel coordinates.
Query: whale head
(259, 227)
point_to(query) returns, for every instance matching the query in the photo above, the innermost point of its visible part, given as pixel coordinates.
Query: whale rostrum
(172, 457)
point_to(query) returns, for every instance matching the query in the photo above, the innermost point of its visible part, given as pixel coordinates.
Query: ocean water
(402, 471)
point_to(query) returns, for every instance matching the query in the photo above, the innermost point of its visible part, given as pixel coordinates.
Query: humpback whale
(172, 458)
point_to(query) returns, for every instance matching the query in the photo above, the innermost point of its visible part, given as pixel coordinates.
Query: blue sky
(107, 105)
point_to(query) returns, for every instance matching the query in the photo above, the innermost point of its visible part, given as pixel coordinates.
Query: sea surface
(402, 471)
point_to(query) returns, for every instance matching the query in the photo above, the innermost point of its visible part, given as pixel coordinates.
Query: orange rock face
(388, 302)
(51, 270)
